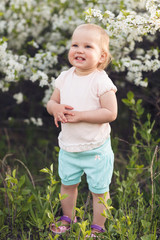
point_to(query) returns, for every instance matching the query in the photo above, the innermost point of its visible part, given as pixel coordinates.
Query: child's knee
(101, 195)
(97, 195)
(70, 187)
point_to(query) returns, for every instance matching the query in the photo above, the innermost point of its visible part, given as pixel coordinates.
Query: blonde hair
(104, 42)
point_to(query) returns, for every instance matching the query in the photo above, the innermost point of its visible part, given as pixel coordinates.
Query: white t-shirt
(82, 93)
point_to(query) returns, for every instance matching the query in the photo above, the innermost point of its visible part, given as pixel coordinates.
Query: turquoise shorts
(97, 164)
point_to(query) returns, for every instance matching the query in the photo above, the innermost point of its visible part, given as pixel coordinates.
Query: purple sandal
(63, 228)
(96, 227)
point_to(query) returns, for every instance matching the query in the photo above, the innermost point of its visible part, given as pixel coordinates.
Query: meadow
(30, 199)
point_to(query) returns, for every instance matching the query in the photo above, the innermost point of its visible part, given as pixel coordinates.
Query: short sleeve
(104, 84)
(60, 80)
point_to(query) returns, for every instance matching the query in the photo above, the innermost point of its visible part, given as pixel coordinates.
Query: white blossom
(48, 25)
(18, 97)
(36, 121)
(47, 96)
(3, 47)
(43, 83)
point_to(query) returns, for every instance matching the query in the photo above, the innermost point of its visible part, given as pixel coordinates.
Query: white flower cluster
(35, 34)
(125, 29)
(145, 61)
(36, 121)
(9, 64)
(41, 25)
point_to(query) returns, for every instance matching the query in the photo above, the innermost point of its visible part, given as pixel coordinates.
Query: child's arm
(107, 112)
(58, 110)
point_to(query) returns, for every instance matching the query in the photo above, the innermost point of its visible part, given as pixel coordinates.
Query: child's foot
(65, 225)
(95, 230)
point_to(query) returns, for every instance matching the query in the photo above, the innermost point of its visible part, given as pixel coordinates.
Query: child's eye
(88, 46)
(74, 45)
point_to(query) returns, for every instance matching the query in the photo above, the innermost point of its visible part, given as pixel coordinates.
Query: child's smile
(80, 59)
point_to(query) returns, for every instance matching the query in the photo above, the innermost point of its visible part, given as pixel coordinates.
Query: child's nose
(80, 49)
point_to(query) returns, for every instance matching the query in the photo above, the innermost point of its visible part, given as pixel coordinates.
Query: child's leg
(98, 209)
(69, 203)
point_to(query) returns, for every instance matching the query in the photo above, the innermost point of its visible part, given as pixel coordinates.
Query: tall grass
(27, 208)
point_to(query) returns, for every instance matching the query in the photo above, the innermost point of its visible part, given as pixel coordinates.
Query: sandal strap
(67, 219)
(97, 227)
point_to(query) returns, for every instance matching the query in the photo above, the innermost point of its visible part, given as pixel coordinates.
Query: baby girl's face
(85, 52)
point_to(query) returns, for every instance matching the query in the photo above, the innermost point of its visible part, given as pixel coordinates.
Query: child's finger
(56, 122)
(62, 118)
(69, 113)
(68, 107)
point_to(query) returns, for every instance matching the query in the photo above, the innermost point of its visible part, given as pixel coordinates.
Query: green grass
(29, 186)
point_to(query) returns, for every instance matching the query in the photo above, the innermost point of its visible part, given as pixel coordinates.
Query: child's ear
(103, 57)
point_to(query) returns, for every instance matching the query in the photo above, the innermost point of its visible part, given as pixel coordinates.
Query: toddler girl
(84, 101)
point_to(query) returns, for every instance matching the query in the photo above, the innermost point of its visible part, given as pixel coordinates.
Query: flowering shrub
(125, 28)
(35, 34)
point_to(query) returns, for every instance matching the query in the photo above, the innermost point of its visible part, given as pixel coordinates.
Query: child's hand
(60, 112)
(75, 118)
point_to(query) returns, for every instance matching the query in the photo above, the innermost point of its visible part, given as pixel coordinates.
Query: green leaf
(14, 173)
(4, 39)
(51, 167)
(158, 14)
(11, 179)
(109, 202)
(125, 101)
(61, 197)
(117, 173)
(54, 182)
(56, 237)
(21, 181)
(125, 13)
(26, 191)
(25, 208)
(3, 189)
(56, 149)
(45, 170)
(30, 42)
(30, 199)
(147, 237)
(32, 214)
(145, 224)
(130, 95)
(49, 214)
(89, 12)
(10, 196)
